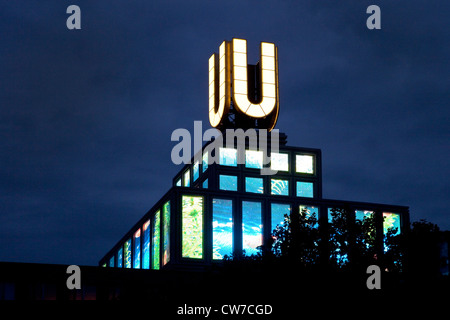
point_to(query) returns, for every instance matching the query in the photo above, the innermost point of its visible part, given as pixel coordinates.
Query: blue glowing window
(228, 182)
(361, 214)
(254, 185)
(278, 211)
(305, 189)
(205, 162)
(120, 258)
(253, 159)
(111, 262)
(205, 184)
(178, 183)
(146, 246)
(187, 179)
(391, 221)
(137, 250)
(195, 170)
(222, 228)
(251, 226)
(228, 157)
(280, 187)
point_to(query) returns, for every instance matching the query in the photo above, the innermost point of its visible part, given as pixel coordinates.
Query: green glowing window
(156, 238)
(192, 227)
(254, 185)
(127, 253)
(228, 182)
(166, 232)
(304, 163)
(305, 189)
(280, 187)
(279, 161)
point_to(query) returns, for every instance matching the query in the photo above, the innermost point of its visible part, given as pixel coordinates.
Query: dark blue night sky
(86, 115)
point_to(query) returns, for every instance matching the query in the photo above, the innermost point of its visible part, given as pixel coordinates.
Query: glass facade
(229, 183)
(279, 161)
(278, 211)
(305, 189)
(228, 157)
(254, 185)
(156, 238)
(137, 250)
(192, 227)
(391, 221)
(146, 245)
(251, 226)
(222, 225)
(166, 232)
(304, 163)
(253, 159)
(280, 187)
(120, 258)
(187, 179)
(127, 253)
(195, 171)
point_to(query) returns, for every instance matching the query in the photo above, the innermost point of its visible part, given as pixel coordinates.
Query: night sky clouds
(86, 115)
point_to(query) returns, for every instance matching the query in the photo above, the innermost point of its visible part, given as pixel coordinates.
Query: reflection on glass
(156, 238)
(222, 228)
(361, 214)
(279, 161)
(137, 250)
(278, 210)
(228, 157)
(309, 212)
(228, 182)
(127, 253)
(305, 189)
(254, 185)
(304, 163)
(391, 221)
(280, 187)
(192, 227)
(253, 159)
(146, 246)
(166, 232)
(251, 226)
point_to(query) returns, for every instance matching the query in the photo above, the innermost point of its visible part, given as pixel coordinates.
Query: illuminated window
(361, 214)
(222, 224)
(205, 162)
(146, 246)
(137, 250)
(120, 258)
(187, 179)
(251, 226)
(310, 211)
(279, 161)
(278, 212)
(228, 157)
(178, 183)
(205, 184)
(166, 232)
(192, 227)
(254, 185)
(305, 189)
(304, 163)
(195, 170)
(111, 262)
(156, 238)
(127, 253)
(391, 221)
(228, 182)
(253, 159)
(280, 187)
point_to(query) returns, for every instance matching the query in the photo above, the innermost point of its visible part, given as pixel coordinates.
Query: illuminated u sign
(230, 79)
